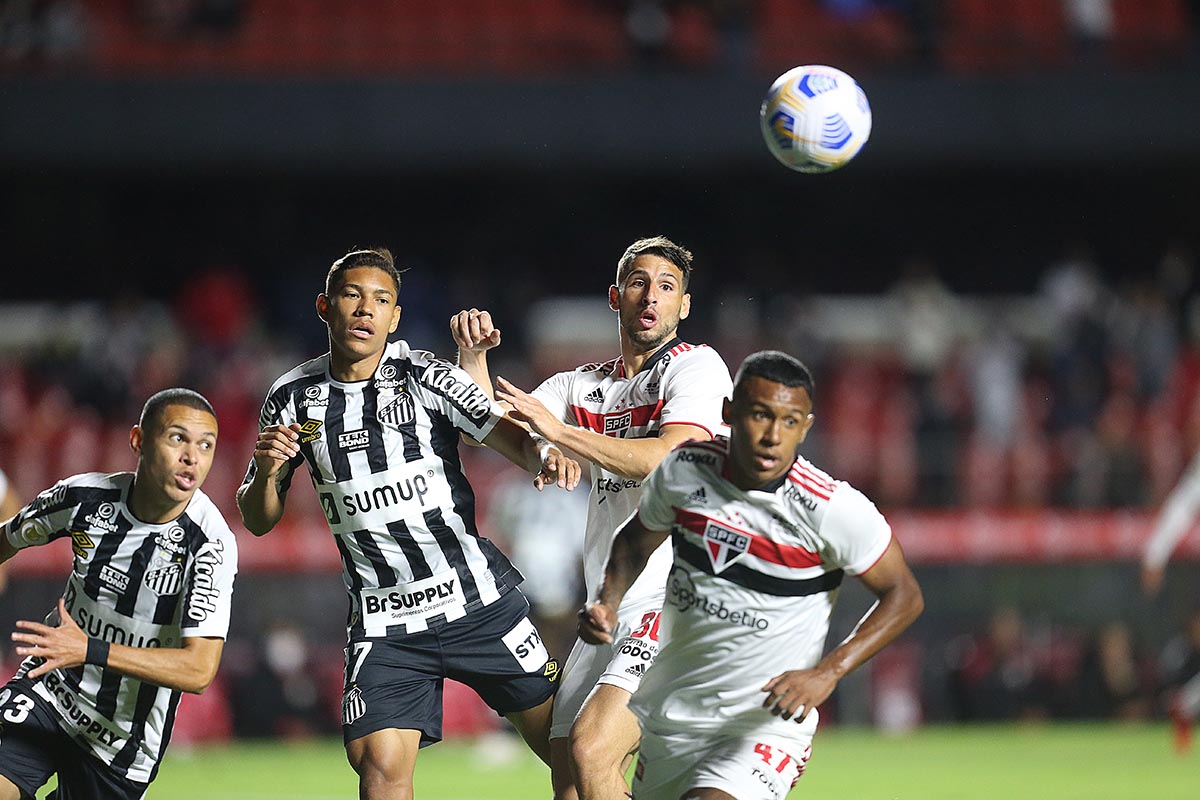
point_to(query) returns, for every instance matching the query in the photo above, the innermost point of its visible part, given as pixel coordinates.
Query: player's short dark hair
(777, 367)
(659, 246)
(377, 257)
(152, 412)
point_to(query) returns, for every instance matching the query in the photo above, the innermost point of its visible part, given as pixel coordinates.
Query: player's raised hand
(62, 647)
(596, 623)
(557, 470)
(794, 693)
(276, 445)
(473, 331)
(528, 409)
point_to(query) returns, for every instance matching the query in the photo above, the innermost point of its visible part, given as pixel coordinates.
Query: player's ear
(395, 319)
(807, 426)
(323, 307)
(614, 295)
(136, 437)
(726, 411)
(685, 307)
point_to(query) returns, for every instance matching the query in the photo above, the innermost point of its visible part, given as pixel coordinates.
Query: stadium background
(997, 296)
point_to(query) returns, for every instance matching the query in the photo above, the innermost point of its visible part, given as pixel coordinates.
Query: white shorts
(621, 664)
(762, 767)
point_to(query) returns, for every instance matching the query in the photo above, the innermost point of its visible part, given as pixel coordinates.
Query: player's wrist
(97, 652)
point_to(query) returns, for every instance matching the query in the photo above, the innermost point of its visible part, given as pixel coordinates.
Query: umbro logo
(698, 496)
(594, 396)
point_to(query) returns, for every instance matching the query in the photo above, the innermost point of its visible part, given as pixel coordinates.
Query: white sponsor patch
(409, 602)
(526, 646)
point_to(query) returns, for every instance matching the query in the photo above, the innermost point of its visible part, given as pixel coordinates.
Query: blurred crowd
(533, 36)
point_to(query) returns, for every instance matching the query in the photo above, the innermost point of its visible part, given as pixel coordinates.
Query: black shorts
(33, 747)
(396, 681)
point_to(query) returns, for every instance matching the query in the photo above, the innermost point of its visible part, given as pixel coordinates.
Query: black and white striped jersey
(134, 584)
(383, 457)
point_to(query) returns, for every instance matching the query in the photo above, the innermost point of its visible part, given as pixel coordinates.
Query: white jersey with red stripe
(749, 595)
(681, 384)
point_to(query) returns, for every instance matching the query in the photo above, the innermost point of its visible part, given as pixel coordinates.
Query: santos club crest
(724, 546)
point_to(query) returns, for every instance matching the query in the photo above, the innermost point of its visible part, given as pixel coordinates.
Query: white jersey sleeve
(449, 390)
(555, 394)
(210, 581)
(854, 532)
(694, 390)
(46, 517)
(655, 510)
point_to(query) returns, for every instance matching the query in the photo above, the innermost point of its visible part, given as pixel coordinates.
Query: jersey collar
(659, 355)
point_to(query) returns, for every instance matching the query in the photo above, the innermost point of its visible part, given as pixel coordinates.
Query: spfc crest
(397, 411)
(724, 545)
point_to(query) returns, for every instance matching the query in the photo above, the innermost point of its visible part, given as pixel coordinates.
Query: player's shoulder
(707, 454)
(828, 497)
(204, 513)
(311, 372)
(694, 357)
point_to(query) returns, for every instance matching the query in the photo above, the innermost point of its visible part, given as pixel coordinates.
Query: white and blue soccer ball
(815, 118)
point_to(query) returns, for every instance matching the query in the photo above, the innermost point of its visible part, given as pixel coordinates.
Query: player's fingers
(35, 628)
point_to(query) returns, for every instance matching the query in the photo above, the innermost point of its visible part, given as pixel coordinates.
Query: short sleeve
(272, 414)
(656, 511)
(555, 394)
(210, 588)
(855, 534)
(694, 391)
(43, 520)
(449, 390)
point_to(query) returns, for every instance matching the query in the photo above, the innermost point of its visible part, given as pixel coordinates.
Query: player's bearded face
(361, 312)
(651, 301)
(175, 455)
(768, 421)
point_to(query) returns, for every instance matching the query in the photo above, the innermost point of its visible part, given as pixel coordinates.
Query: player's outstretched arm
(796, 692)
(190, 668)
(533, 454)
(260, 501)
(631, 550)
(629, 458)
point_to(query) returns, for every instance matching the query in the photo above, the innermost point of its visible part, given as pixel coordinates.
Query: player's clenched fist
(794, 693)
(596, 623)
(276, 445)
(473, 330)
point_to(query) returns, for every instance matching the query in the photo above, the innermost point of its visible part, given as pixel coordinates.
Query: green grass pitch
(1054, 762)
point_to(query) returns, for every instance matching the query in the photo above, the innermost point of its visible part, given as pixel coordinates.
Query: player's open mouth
(362, 331)
(648, 319)
(185, 480)
(765, 461)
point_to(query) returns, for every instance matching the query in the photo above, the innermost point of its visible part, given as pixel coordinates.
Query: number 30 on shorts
(648, 625)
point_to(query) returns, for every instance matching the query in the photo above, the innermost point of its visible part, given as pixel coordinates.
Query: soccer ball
(815, 118)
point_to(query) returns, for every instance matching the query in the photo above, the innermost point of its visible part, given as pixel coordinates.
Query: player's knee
(591, 752)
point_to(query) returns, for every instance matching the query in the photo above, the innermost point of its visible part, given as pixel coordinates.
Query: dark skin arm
(631, 549)
(796, 692)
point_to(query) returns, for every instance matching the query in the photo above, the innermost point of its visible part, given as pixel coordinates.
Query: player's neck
(634, 357)
(348, 368)
(152, 507)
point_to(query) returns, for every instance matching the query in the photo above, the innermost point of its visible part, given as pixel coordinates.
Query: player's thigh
(534, 726)
(706, 794)
(583, 669)
(605, 731)
(29, 741)
(393, 683)
(498, 652)
(390, 753)
(753, 768)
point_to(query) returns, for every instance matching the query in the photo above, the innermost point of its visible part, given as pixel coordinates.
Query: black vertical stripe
(353, 584)
(107, 545)
(444, 438)
(168, 728)
(335, 425)
(412, 551)
(109, 692)
(453, 551)
(167, 609)
(376, 447)
(384, 574)
(146, 697)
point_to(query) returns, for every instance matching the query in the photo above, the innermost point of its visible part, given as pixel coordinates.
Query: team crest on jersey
(614, 425)
(165, 579)
(724, 545)
(310, 431)
(81, 543)
(397, 411)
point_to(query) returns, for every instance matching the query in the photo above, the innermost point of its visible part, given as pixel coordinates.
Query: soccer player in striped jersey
(761, 541)
(378, 426)
(143, 617)
(624, 415)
